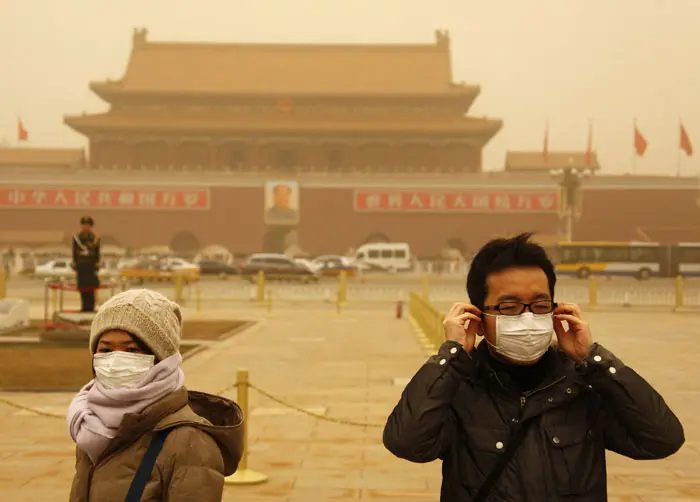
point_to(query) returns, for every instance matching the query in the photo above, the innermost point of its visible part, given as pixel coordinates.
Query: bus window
(361, 255)
(690, 254)
(644, 254)
(569, 255)
(387, 253)
(612, 254)
(373, 254)
(400, 253)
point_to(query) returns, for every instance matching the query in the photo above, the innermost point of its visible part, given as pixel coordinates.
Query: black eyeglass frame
(525, 306)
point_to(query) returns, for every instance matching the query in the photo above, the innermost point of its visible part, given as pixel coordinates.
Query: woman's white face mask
(523, 338)
(116, 370)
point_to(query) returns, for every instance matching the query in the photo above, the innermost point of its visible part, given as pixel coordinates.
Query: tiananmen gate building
(258, 147)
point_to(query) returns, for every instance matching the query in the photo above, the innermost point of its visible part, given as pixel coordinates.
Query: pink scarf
(95, 413)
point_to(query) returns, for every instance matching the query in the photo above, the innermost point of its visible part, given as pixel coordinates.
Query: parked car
(332, 265)
(216, 267)
(61, 269)
(179, 264)
(54, 269)
(276, 267)
(308, 263)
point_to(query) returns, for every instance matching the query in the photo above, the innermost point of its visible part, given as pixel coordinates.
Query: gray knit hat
(147, 315)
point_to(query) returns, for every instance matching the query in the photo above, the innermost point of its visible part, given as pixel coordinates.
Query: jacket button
(612, 370)
(514, 420)
(453, 350)
(597, 359)
(556, 440)
(499, 446)
(442, 362)
(568, 390)
(550, 399)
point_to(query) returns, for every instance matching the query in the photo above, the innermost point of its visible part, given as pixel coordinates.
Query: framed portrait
(281, 203)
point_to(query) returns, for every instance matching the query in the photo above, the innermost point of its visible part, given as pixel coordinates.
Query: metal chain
(31, 410)
(277, 400)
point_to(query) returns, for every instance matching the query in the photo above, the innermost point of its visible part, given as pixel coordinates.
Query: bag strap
(514, 443)
(143, 473)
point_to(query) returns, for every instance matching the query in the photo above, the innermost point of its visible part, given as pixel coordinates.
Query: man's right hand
(461, 324)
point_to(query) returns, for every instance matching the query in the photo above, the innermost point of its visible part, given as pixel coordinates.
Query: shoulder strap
(143, 473)
(515, 441)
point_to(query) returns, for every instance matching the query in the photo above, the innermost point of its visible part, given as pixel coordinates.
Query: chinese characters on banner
(104, 198)
(474, 201)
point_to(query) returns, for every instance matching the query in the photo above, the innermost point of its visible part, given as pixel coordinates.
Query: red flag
(22, 133)
(589, 149)
(640, 143)
(545, 145)
(686, 146)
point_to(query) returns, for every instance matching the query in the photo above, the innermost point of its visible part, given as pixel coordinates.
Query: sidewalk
(343, 367)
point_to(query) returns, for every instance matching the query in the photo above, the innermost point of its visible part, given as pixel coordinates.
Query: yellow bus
(642, 260)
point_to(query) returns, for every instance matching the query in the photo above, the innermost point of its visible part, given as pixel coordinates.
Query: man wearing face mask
(518, 417)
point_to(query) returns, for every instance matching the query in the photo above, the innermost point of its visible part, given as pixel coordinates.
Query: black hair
(500, 254)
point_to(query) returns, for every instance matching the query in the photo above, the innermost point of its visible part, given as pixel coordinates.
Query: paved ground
(345, 367)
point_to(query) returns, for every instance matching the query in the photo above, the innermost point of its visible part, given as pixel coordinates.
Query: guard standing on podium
(86, 263)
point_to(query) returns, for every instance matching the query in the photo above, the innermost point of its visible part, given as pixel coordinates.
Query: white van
(390, 256)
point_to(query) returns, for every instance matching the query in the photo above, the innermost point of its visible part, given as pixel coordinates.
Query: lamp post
(570, 183)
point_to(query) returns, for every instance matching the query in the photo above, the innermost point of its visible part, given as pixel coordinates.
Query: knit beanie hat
(145, 314)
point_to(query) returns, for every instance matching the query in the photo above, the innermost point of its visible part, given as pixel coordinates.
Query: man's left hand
(577, 340)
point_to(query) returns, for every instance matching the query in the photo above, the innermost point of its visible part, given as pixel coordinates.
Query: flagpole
(634, 149)
(680, 132)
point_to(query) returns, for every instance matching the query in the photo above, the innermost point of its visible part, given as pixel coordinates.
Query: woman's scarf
(96, 412)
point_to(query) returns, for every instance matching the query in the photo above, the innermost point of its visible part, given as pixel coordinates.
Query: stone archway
(185, 242)
(276, 239)
(377, 237)
(458, 244)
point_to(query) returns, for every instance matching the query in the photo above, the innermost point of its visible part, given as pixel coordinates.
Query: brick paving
(344, 366)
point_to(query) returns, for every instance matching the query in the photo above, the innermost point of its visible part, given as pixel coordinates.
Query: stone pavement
(344, 367)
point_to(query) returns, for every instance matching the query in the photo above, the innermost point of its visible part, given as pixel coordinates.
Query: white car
(314, 267)
(61, 269)
(177, 264)
(54, 269)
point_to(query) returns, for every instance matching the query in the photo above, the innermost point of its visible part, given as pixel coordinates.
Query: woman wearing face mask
(138, 430)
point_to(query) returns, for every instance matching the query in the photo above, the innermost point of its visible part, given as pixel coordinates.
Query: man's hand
(461, 324)
(577, 340)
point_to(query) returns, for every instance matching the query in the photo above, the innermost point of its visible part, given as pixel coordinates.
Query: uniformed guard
(86, 263)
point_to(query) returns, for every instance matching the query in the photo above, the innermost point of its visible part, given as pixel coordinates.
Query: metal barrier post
(680, 296)
(61, 285)
(592, 292)
(178, 287)
(198, 299)
(261, 287)
(243, 475)
(54, 298)
(426, 287)
(343, 287)
(3, 281)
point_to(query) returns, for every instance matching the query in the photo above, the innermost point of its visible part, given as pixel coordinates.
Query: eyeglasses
(517, 308)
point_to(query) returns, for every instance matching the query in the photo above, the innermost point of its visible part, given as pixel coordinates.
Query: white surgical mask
(523, 338)
(116, 370)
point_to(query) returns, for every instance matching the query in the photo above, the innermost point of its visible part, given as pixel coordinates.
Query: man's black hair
(500, 254)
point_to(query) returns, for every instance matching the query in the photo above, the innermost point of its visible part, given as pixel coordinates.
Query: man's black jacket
(459, 409)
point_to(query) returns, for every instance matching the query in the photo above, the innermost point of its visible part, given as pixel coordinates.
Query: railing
(428, 319)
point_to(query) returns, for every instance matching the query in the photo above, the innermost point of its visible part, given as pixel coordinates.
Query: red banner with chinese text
(541, 201)
(104, 198)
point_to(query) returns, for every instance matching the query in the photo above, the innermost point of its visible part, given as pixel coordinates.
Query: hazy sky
(566, 61)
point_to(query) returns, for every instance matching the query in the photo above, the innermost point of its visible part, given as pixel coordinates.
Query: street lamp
(570, 182)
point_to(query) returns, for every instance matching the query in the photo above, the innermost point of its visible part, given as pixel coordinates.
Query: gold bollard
(3, 281)
(178, 287)
(198, 299)
(54, 299)
(261, 287)
(680, 296)
(343, 287)
(592, 292)
(426, 286)
(243, 475)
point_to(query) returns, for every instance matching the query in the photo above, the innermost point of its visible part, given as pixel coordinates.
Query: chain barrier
(318, 416)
